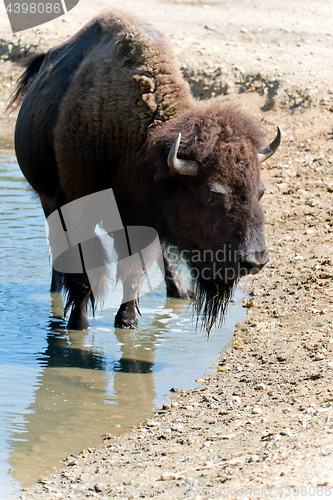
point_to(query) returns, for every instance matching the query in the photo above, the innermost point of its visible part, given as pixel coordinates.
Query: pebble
(208, 463)
(152, 423)
(99, 487)
(261, 387)
(177, 427)
(166, 406)
(167, 476)
(226, 436)
(174, 404)
(236, 461)
(257, 411)
(200, 380)
(286, 432)
(254, 458)
(319, 357)
(330, 364)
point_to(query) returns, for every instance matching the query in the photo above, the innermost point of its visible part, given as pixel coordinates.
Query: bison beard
(211, 300)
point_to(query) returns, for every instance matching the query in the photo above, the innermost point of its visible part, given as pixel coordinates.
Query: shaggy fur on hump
(202, 128)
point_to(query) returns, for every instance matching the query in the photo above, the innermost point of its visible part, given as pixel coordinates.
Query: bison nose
(253, 261)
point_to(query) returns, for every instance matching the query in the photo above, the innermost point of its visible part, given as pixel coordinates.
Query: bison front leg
(79, 293)
(126, 315)
(176, 287)
(56, 281)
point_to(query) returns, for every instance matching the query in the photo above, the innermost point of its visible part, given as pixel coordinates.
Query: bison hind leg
(81, 290)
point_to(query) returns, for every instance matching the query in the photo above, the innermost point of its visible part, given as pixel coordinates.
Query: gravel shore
(264, 419)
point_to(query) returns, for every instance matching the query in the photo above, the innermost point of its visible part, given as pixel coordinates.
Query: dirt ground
(262, 424)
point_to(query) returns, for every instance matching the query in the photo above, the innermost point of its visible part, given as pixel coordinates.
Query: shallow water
(60, 390)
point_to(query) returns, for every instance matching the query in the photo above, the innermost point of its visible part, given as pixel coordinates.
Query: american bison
(109, 109)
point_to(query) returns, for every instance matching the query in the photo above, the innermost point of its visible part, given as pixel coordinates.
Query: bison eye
(213, 199)
(213, 195)
(208, 200)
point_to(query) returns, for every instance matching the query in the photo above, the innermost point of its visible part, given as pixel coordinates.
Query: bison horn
(182, 167)
(270, 150)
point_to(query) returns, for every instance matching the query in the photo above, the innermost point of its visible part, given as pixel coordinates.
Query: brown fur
(103, 112)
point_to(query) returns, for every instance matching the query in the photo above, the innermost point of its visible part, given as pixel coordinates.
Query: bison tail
(32, 65)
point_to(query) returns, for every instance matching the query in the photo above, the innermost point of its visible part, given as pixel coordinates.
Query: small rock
(152, 423)
(177, 427)
(208, 463)
(214, 437)
(210, 28)
(257, 411)
(99, 487)
(225, 436)
(261, 387)
(236, 461)
(254, 458)
(330, 364)
(166, 406)
(174, 404)
(200, 380)
(286, 432)
(174, 389)
(167, 476)
(319, 357)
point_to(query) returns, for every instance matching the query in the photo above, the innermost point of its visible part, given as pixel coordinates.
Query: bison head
(209, 189)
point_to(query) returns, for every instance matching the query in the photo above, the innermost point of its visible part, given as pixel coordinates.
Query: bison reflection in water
(109, 108)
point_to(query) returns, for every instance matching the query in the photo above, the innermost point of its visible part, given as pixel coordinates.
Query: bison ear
(162, 174)
(162, 171)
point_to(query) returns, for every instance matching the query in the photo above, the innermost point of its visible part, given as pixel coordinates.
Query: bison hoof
(125, 318)
(77, 323)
